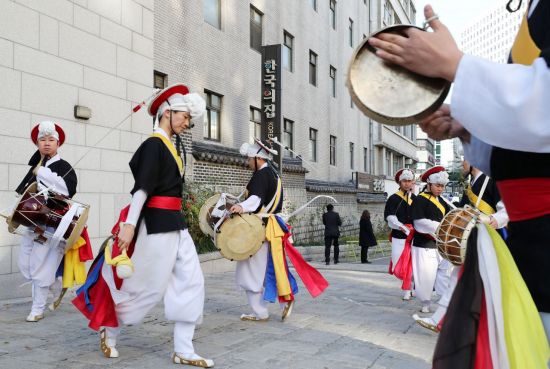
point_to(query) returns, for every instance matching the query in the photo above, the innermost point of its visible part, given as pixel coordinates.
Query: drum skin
(206, 222)
(241, 236)
(453, 232)
(389, 93)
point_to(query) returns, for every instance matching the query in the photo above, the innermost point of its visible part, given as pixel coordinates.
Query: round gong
(389, 93)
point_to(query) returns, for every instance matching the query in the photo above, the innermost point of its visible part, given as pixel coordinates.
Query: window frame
(313, 68)
(208, 115)
(256, 27)
(332, 150)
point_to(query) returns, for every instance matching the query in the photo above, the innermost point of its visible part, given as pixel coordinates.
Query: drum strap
(406, 198)
(270, 208)
(478, 201)
(172, 150)
(434, 201)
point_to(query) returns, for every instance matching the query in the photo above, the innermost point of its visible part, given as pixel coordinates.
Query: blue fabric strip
(91, 279)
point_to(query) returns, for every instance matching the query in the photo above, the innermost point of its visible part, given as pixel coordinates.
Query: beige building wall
(58, 54)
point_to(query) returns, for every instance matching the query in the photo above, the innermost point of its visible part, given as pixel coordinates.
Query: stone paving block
(370, 328)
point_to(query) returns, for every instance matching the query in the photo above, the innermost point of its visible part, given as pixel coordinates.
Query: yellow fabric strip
(172, 150)
(434, 201)
(278, 194)
(524, 50)
(274, 234)
(401, 194)
(74, 271)
(524, 333)
(484, 207)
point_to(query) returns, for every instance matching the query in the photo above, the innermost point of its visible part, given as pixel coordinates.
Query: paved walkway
(359, 322)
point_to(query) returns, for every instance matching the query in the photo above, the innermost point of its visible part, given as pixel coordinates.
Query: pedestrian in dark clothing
(332, 222)
(366, 236)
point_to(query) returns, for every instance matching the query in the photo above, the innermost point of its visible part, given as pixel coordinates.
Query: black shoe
(335, 262)
(327, 262)
(366, 262)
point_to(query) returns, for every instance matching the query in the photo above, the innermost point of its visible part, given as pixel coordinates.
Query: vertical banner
(271, 98)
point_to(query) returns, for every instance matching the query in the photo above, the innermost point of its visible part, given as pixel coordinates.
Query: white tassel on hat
(439, 178)
(192, 103)
(47, 128)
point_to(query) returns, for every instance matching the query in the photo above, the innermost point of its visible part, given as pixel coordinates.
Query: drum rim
(464, 237)
(403, 121)
(12, 228)
(227, 253)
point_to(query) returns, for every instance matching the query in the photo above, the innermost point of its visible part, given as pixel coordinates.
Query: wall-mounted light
(82, 112)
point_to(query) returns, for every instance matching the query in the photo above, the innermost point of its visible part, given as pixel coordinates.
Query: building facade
(492, 34)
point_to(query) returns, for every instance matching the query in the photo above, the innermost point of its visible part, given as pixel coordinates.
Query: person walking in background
(332, 222)
(366, 236)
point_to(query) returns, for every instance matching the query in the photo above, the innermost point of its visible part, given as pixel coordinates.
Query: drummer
(429, 268)
(491, 205)
(38, 262)
(264, 193)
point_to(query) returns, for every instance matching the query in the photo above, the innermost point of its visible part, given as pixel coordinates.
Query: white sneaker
(425, 309)
(407, 296)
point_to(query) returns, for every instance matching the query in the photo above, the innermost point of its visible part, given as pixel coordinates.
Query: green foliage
(194, 197)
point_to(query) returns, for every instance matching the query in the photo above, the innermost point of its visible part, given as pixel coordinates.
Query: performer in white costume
(165, 262)
(397, 213)
(429, 268)
(38, 262)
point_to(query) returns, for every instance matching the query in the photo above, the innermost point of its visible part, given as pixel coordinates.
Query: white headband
(255, 150)
(406, 175)
(192, 103)
(47, 128)
(439, 178)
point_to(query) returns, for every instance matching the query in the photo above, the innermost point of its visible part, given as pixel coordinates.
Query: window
(365, 160)
(350, 32)
(255, 125)
(351, 155)
(213, 13)
(313, 4)
(332, 14)
(313, 144)
(312, 68)
(288, 44)
(255, 29)
(288, 140)
(396, 163)
(388, 164)
(332, 150)
(212, 116)
(160, 80)
(332, 73)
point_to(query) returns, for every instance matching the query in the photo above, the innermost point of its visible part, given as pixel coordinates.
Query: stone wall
(223, 169)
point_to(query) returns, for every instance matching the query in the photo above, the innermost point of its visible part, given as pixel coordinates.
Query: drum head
(204, 215)
(240, 237)
(12, 225)
(389, 93)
